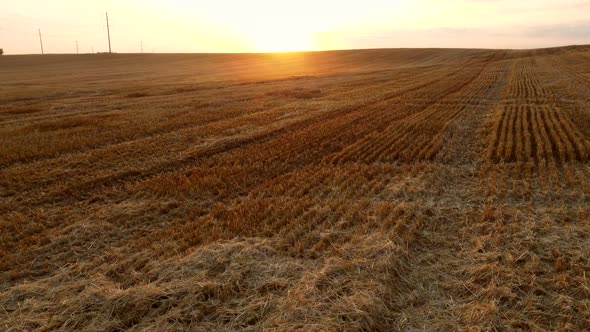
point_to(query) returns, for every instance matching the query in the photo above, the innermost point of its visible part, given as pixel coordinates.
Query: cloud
(522, 37)
(568, 31)
(535, 7)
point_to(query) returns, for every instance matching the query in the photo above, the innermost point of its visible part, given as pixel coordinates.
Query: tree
(1, 51)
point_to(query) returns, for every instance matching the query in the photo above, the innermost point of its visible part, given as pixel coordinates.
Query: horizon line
(308, 51)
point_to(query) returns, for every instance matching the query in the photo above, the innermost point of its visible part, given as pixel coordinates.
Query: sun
(281, 40)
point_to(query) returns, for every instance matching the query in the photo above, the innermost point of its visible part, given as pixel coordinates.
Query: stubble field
(430, 189)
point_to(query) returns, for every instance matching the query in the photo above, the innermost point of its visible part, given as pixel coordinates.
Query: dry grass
(352, 190)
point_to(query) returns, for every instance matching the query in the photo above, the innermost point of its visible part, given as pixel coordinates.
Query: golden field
(408, 189)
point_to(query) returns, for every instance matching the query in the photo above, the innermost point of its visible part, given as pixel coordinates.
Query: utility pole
(77, 52)
(109, 33)
(142, 47)
(41, 41)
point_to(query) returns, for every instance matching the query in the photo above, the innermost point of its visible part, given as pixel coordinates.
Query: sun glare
(281, 41)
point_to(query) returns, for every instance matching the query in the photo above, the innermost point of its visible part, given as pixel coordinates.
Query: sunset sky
(266, 25)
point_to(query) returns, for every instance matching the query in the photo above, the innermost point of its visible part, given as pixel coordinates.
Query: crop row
(303, 227)
(352, 181)
(535, 181)
(535, 133)
(420, 134)
(525, 84)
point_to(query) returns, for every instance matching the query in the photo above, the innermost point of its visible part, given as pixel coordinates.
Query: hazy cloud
(536, 7)
(575, 30)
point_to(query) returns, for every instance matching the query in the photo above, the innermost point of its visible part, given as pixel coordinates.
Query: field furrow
(365, 190)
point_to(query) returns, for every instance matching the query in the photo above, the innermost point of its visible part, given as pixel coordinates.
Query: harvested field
(402, 189)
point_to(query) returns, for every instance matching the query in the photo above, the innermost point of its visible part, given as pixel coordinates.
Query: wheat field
(384, 190)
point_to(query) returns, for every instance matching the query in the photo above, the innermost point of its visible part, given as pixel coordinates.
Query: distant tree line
(1, 51)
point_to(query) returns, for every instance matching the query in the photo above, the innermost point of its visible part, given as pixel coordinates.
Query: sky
(170, 26)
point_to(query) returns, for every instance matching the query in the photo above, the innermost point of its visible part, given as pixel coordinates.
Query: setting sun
(286, 40)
